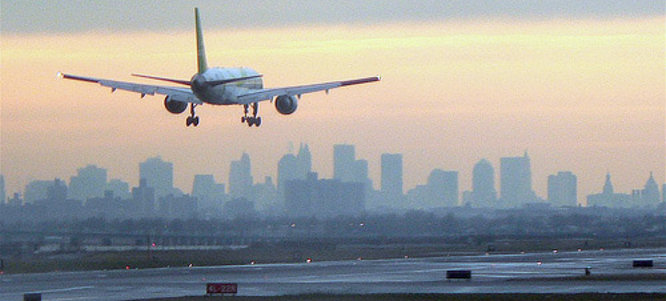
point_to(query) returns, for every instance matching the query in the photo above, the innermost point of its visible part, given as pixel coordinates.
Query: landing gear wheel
(250, 122)
(195, 121)
(243, 119)
(189, 121)
(258, 122)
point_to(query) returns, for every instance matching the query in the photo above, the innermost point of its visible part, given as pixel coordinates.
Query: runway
(509, 273)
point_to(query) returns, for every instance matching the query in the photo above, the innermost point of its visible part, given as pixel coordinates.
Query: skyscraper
(344, 157)
(483, 185)
(144, 199)
(158, 175)
(303, 162)
(119, 188)
(240, 178)
(287, 171)
(391, 185)
(562, 189)
(516, 181)
(443, 188)
(90, 182)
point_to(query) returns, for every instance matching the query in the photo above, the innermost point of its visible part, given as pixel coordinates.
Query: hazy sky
(580, 84)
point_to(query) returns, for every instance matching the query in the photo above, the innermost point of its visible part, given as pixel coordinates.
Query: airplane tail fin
(201, 52)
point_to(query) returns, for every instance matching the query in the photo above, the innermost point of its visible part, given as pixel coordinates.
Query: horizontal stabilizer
(177, 81)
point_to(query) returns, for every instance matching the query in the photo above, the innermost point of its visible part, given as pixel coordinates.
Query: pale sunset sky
(580, 85)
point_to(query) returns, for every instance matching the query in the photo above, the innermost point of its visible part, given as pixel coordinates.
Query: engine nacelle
(173, 106)
(286, 104)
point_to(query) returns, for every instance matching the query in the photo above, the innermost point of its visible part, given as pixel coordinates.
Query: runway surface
(513, 273)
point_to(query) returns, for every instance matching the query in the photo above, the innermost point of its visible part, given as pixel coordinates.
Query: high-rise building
(443, 188)
(303, 162)
(324, 198)
(483, 185)
(516, 181)
(158, 175)
(3, 193)
(344, 158)
(144, 199)
(90, 182)
(391, 182)
(562, 189)
(36, 190)
(650, 193)
(119, 188)
(240, 178)
(209, 194)
(287, 171)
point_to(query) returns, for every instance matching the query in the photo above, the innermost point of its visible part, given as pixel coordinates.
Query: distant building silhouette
(239, 208)
(391, 178)
(158, 175)
(483, 185)
(3, 193)
(344, 159)
(109, 206)
(324, 198)
(443, 186)
(119, 188)
(293, 167)
(303, 162)
(516, 181)
(36, 190)
(264, 195)
(562, 189)
(180, 206)
(441, 190)
(210, 195)
(90, 182)
(144, 199)
(663, 193)
(650, 193)
(608, 198)
(240, 178)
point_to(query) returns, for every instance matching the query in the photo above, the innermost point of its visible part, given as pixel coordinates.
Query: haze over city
(580, 85)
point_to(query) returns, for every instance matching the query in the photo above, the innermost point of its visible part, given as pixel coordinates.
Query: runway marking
(60, 290)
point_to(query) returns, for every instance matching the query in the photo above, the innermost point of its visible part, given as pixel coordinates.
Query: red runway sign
(221, 288)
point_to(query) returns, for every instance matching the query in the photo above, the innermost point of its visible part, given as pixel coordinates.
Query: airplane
(220, 86)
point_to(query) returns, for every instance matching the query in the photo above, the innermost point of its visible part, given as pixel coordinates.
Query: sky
(580, 85)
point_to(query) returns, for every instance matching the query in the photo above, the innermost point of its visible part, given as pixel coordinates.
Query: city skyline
(518, 170)
(579, 84)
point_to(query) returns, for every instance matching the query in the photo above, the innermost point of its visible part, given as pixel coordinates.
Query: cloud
(68, 16)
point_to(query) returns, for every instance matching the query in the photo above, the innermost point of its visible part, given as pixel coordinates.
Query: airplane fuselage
(224, 94)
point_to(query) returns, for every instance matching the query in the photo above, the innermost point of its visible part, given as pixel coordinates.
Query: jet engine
(286, 104)
(173, 106)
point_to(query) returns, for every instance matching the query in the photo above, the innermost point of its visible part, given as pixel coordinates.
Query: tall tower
(240, 177)
(562, 189)
(287, 171)
(158, 175)
(608, 186)
(483, 185)
(391, 185)
(343, 162)
(516, 181)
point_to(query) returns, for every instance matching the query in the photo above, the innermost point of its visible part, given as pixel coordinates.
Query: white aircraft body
(220, 86)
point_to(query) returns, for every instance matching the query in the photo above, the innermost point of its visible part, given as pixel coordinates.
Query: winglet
(201, 52)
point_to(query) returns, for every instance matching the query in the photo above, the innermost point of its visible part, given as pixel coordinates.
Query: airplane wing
(268, 94)
(176, 93)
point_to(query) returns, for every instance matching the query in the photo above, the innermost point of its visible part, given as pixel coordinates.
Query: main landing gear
(251, 120)
(192, 119)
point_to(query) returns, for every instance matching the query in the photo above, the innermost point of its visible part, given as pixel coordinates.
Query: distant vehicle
(220, 86)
